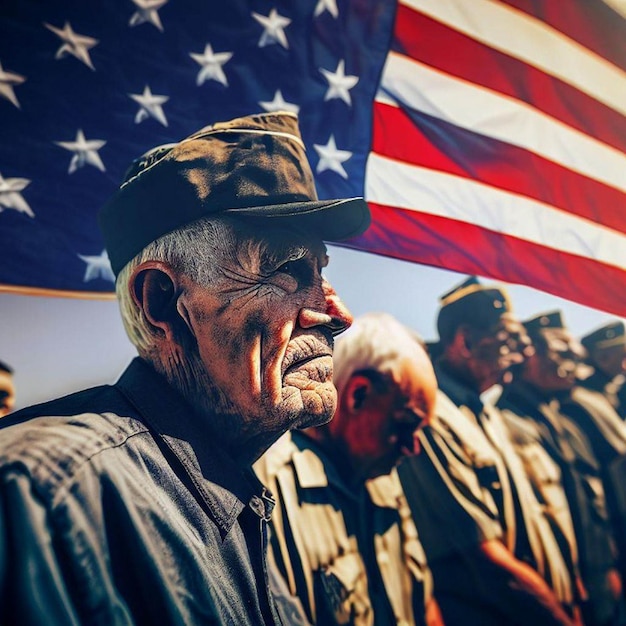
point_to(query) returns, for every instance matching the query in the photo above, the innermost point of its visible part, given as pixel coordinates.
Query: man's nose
(337, 317)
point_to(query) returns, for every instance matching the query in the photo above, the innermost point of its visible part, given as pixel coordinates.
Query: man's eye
(298, 269)
(291, 268)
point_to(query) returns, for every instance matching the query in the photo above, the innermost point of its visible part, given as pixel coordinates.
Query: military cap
(471, 302)
(607, 336)
(550, 319)
(252, 166)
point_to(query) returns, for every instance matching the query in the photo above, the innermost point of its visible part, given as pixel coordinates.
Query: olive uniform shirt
(349, 552)
(400, 580)
(590, 409)
(116, 508)
(314, 534)
(582, 481)
(468, 486)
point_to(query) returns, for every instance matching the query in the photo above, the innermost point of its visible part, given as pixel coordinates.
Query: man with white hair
(135, 503)
(342, 531)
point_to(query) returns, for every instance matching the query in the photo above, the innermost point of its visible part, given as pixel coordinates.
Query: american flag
(488, 137)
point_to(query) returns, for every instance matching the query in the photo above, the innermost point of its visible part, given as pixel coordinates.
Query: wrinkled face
(7, 393)
(612, 361)
(495, 353)
(264, 331)
(554, 366)
(381, 430)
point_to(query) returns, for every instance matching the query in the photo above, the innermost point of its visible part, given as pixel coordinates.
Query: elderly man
(593, 405)
(533, 406)
(488, 545)
(606, 349)
(135, 503)
(343, 535)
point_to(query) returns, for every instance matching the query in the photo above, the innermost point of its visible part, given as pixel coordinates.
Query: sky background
(60, 345)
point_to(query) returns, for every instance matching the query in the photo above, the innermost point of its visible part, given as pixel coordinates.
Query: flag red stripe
(426, 141)
(435, 44)
(469, 249)
(591, 23)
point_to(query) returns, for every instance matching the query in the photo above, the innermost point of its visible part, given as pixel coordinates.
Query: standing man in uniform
(343, 534)
(135, 503)
(533, 407)
(493, 555)
(606, 349)
(593, 406)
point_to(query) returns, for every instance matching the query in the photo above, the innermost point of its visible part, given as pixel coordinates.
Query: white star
(273, 28)
(326, 5)
(331, 158)
(339, 84)
(8, 80)
(149, 106)
(98, 267)
(73, 43)
(279, 104)
(10, 196)
(147, 12)
(85, 152)
(211, 65)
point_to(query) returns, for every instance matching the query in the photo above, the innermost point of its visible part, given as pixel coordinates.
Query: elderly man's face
(554, 366)
(611, 361)
(494, 353)
(381, 413)
(264, 331)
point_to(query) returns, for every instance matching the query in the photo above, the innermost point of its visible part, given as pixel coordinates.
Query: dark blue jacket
(116, 507)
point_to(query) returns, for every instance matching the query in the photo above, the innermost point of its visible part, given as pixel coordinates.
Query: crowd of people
(476, 480)
(255, 465)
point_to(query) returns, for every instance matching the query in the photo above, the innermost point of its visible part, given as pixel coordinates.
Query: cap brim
(333, 220)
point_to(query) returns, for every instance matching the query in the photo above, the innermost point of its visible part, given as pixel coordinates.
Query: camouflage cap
(252, 166)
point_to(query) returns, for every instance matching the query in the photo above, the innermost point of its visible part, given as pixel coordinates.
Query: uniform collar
(304, 443)
(596, 382)
(223, 487)
(456, 390)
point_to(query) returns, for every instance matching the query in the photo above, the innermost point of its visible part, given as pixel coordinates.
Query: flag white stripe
(501, 117)
(521, 36)
(392, 183)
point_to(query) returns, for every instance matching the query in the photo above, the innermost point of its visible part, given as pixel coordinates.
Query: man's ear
(154, 288)
(358, 389)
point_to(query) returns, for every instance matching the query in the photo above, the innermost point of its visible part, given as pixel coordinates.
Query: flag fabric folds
(488, 137)
(499, 144)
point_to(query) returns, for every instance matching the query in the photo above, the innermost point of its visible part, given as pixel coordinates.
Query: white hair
(379, 342)
(189, 250)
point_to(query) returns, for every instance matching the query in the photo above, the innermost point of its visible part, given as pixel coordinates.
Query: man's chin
(311, 421)
(312, 406)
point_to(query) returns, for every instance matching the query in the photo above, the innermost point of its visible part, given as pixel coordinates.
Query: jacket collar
(222, 486)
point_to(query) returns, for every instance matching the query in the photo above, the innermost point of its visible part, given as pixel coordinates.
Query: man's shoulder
(589, 398)
(297, 453)
(457, 435)
(52, 441)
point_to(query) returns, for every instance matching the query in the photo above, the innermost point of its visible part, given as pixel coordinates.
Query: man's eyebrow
(274, 255)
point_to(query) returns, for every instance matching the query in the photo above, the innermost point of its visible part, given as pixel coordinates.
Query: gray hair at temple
(375, 341)
(188, 249)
